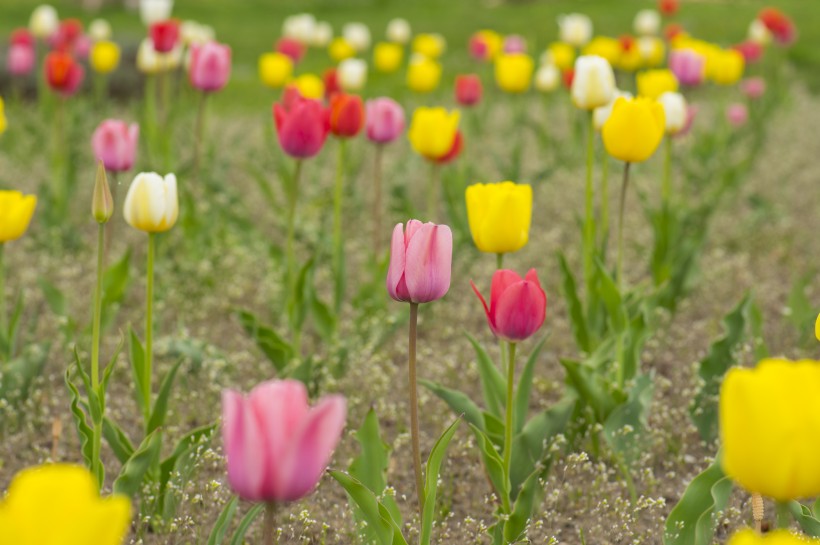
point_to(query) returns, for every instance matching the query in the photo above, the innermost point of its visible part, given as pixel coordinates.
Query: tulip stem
(338, 248)
(666, 188)
(589, 221)
(432, 193)
(499, 260)
(622, 206)
(269, 528)
(784, 517)
(200, 129)
(96, 462)
(149, 328)
(604, 203)
(290, 254)
(508, 428)
(414, 407)
(377, 199)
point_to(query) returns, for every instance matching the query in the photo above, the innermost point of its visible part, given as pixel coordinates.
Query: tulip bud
(322, 34)
(44, 21)
(420, 262)
(513, 72)
(737, 114)
(468, 89)
(346, 115)
(517, 306)
(758, 33)
(275, 69)
(21, 59)
(165, 35)
(99, 30)
(433, 132)
(753, 88)
(210, 66)
(675, 112)
(431, 46)
(384, 120)
(514, 43)
(102, 204)
(398, 31)
(300, 27)
(688, 65)
(593, 83)
(154, 11)
(654, 83)
(310, 86)
(499, 216)
(423, 74)
(357, 35)
(352, 74)
(63, 73)
(105, 56)
(485, 45)
(292, 48)
(561, 55)
(115, 143)
(340, 49)
(302, 127)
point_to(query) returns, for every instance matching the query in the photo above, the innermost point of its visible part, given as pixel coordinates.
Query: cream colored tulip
(602, 113)
(547, 78)
(352, 74)
(300, 27)
(398, 31)
(357, 35)
(575, 29)
(44, 21)
(675, 109)
(593, 85)
(99, 30)
(151, 204)
(647, 22)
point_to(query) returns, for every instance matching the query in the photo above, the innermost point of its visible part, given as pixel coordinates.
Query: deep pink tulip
(737, 114)
(292, 48)
(22, 36)
(210, 66)
(278, 446)
(468, 89)
(115, 143)
(688, 65)
(515, 43)
(517, 306)
(751, 51)
(421, 258)
(302, 125)
(82, 46)
(753, 88)
(384, 120)
(478, 47)
(21, 59)
(165, 35)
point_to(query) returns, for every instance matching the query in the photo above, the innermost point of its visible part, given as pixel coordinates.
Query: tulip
(387, 57)
(431, 46)
(105, 56)
(154, 11)
(654, 83)
(593, 84)
(517, 306)
(151, 204)
(165, 35)
(398, 31)
(547, 78)
(59, 503)
(102, 209)
(322, 34)
(275, 69)
(673, 31)
(310, 86)
(453, 152)
(302, 127)
(66, 36)
(433, 131)
(751, 51)
(737, 114)
(21, 59)
(652, 51)
(16, 211)
(115, 143)
(384, 120)
(688, 65)
(675, 112)
(601, 114)
(513, 72)
(99, 30)
(340, 49)
(561, 55)
(193, 33)
(499, 216)
(423, 74)
(781, 27)
(603, 46)
(468, 89)
(420, 262)
(346, 115)
(760, 449)
(758, 33)
(514, 43)
(631, 58)
(63, 73)
(634, 130)
(776, 537)
(300, 27)
(43, 21)
(352, 74)
(485, 45)
(3, 122)
(753, 88)
(725, 67)
(668, 7)
(575, 29)
(330, 80)
(277, 446)
(210, 66)
(291, 47)
(647, 22)
(357, 35)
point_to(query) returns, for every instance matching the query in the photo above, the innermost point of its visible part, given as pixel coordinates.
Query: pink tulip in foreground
(115, 143)
(420, 261)
(517, 306)
(210, 66)
(384, 120)
(278, 446)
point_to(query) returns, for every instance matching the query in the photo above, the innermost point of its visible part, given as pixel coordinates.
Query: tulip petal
(395, 272)
(502, 279)
(428, 263)
(521, 311)
(244, 446)
(486, 308)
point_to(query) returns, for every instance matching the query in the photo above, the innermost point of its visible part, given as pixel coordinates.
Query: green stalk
(432, 192)
(377, 200)
(666, 188)
(604, 202)
(149, 325)
(290, 253)
(589, 212)
(268, 529)
(200, 128)
(619, 270)
(508, 428)
(414, 406)
(784, 517)
(96, 462)
(499, 260)
(4, 319)
(338, 246)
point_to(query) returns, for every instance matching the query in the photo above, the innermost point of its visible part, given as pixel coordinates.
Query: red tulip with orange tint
(63, 73)
(346, 115)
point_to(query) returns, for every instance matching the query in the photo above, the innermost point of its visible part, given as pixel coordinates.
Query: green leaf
(222, 523)
(138, 368)
(135, 468)
(458, 402)
(117, 440)
(179, 465)
(528, 500)
(109, 369)
(804, 516)
(161, 402)
(576, 309)
(591, 388)
(299, 301)
(611, 297)
(493, 465)
(278, 352)
(691, 521)
(493, 383)
(245, 524)
(522, 395)
(18, 375)
(323, 318)
(83, 428)
(624, 427)
(431, 481)
(375, 513)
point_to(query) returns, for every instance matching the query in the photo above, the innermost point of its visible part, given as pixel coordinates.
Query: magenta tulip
(688, 65)
(115, 143)
(277, 446)
(210, 66)
(420, 261)
(517, 306)
(384, 120)
(21, 59)
(302, 126)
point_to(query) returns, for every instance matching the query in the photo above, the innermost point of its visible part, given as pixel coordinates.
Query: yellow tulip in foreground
(423, 74)
(387, 56)
(433, 131)
(769, 428)
(59, 505)
(654, 83)
(778, 537)
(104, 56)
(275, 69)
(151, 204)
(513, 72)
(16, 210)
(499, 216)
(634, 129)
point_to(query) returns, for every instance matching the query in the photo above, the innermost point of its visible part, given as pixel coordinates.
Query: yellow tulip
(310, 86)
(105, 56)
(513, 72)
(430, 45)
(769, 430)
(653, 51)
(634, 129)
(606, 47)
(3, 122)
(654, 83)
(275, 69)
(493, 40)
(778, 537)
(630, 58)
(499, 216)
(59, 505)
(387, 56)
(562, 55)
(340, 49)
(151, 204)
(16, 210)
(725, 67)
(423, 74)
(433, 131)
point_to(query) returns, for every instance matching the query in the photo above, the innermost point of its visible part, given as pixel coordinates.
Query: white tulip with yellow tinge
(151, 204)
(593, 85)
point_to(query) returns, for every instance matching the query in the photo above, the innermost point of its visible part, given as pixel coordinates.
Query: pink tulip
(22, 36)
(82, 46)
(302, 125)
(292, 48)
(420, 261)
(115, 143)
(688, 65)
(751, 51)
(515, 43)
(384, 120)
(210, 66)
(277, 446)
(21, 59)
(753, 88)
(517, 306)
(737, 114)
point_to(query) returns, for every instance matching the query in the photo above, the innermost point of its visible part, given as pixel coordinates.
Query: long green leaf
(576, 308)
(245, 524)
(375, 513)
(134, 470)
(431, 481)
(273, 346)
(222, 523)
(83, 429)
(805, 518)
(161, 402)
(493, 465)
(117, 440)
(528, 500)
(138, 368)
(492, 381)
(458, 402)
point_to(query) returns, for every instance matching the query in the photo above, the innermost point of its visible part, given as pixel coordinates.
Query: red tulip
(22, 36)
(210, 66)
(468, 89)
(67, 34)
(517, 306)
(346, 115)
(567, 76)
(668, 7)
(165, 35)
(331, 80)
(455, 150)
(672, 30)
(301, 124)
(781, 27)
(292, 48)
(63, 73)
(751, 51)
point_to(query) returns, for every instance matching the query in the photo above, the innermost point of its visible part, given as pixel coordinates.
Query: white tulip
(398, 31)
(151, 204)
(99, 30)
(575, 29)
(602, 113)
(758, 33)
(154, 11)
(594, 82)
(322, 34)
(675, 109)
(43, 21)
(352, 74)
(300, 27)
(647, 22)
(547, 78)
(148, 60)
(357, 35)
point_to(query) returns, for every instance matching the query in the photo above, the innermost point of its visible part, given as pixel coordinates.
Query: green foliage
(220, 527)
(692, 521)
